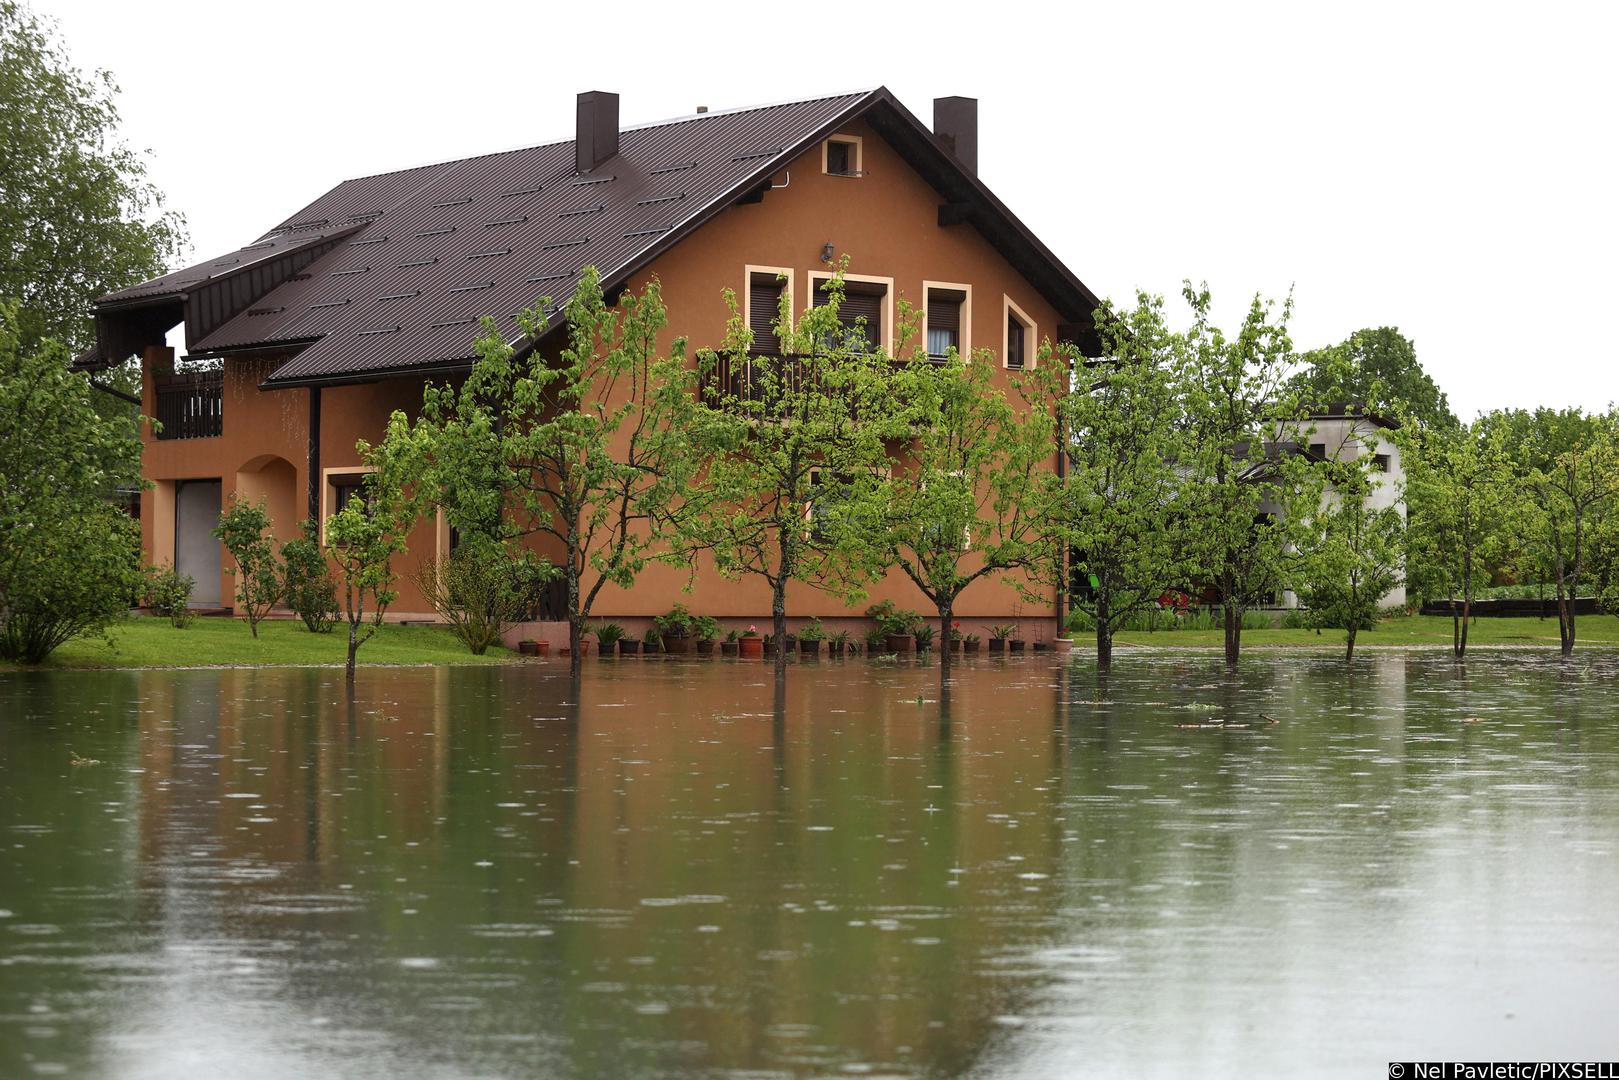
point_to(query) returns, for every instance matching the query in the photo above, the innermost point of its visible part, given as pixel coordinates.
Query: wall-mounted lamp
(826, 252)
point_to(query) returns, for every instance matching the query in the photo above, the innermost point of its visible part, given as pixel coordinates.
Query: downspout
(314, 455)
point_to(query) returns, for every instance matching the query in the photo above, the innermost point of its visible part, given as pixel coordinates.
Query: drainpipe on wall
(314, 454)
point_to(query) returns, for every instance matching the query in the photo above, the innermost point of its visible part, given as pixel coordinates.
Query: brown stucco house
(339, 314)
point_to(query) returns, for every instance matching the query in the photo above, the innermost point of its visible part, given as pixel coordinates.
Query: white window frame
(819, 278)
(1031, 335)
(965, 347)
(858, 156)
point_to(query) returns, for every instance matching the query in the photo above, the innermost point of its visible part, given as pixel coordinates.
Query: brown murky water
(675, 870)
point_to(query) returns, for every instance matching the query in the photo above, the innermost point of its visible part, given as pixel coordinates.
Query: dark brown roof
(422, 254)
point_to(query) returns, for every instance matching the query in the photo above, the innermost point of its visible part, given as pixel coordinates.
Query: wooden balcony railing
(759, 383)
(190, 405)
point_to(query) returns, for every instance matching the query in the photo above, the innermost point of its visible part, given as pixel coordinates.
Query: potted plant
(999, 634)
(876, 641)
(528, 648)
(750, 645)
(924, 637)
(652, 641)
(729, 647)
(1014, 644)
(810, 638)
(789, 642)
(675, 629)
(837, 644)
(969, 644)
(607, 635)
(705, 628)
(898, 625)
(955, 636)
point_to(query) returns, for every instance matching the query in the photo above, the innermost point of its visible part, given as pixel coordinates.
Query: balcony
(190, 405)
(763, 385)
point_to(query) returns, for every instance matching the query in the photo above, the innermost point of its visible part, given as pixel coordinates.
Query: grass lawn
(143, 642)
(1409, 631)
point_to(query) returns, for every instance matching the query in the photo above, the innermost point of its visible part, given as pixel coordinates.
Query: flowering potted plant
(955, 636)
(729, 646)
(751, 645)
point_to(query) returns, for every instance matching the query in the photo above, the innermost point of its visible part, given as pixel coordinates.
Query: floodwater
(674, 869)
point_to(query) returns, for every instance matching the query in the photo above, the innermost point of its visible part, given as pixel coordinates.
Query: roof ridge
(667, 122)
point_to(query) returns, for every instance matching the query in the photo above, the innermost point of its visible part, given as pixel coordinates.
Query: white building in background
(1347, 432)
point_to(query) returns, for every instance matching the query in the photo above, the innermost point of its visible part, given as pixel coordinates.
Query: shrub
(168, 593)
(244, 530)
(1296, 619)
(74, 576)
(481, 590)
(307, 585)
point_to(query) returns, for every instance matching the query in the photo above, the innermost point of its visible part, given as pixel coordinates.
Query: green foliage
(168, 592)
(653, 636)
(1353, 552)
(588, 446)
(707, 628)
(1003, 631)
(482, 588)
(812, 631)
(364, 536)
(1125, 509)
(608, 635)
(307, 586)
(793, 433)
(69, 561)
(678, 623)
(924, 636)
(1248, 497)
(244, 529)
(1376, 367)
(892, 619)
(78, 218)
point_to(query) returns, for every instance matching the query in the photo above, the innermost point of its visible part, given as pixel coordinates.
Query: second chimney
(597, 138)
(955, 122)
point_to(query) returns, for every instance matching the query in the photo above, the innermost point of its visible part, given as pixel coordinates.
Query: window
(1380, 463)
(766, 287)
(338, 486)
(1318, 450)
(841, 155)
(866, 312)
(345, 488)
(945, 321)
(1020, 337)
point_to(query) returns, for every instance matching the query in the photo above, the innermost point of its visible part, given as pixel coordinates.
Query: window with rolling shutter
(764, 305)
(861, 313)
(944, 323)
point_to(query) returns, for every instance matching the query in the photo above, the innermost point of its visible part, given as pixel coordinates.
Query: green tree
(482, 588)
(1376, 367)
(792, 440)
(78, 217)
(1353, 550)
(1125, 512)
(244, 529)
(306, 580)
(1458, 488)
(975, 492)
(1568, 466)
(69, 560)
(1250, 493)
(363, 537)
(587, 448)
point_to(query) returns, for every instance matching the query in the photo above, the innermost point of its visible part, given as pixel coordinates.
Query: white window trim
(966, 335)
(819, 278)
(1030, 335)
(859, 145)
(328, 493)
(747, 291)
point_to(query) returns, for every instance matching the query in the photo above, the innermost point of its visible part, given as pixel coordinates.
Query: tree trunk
(1349, 647)
(576, 620)
(354, 647)
(946, 644)
(778, 622)
(1233, 635)
(1104, 635)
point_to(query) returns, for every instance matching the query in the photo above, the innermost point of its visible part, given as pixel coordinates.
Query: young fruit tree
(583, 444)
(370, 529)
(244, 529)
(791, 435)
(1249, 491)
(1124, 503)
(1458, 488)
(975, 491)
(1353, 548)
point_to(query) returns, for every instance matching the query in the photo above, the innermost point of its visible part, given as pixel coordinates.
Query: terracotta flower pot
(729, 648)
(528, 648)
(751, 648)
(545, 647)
(901, 643)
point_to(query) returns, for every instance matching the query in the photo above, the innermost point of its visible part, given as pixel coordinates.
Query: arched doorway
(275, 481)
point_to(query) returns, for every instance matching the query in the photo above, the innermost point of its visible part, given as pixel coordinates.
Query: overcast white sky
(1447, 169)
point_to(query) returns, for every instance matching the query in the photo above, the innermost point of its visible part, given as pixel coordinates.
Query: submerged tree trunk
(576, 621)
(1349, 646)
(778, 622)
(947, 644)
(1104, 635)
(1233, 634)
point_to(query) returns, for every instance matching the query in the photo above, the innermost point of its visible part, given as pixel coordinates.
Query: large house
(338, 315)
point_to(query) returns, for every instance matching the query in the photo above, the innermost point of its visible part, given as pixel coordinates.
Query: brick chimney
(597, 138)
(955, 122)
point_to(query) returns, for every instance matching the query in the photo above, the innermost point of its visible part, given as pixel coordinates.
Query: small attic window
(840, 156)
